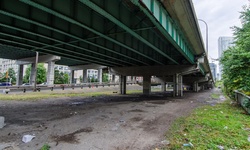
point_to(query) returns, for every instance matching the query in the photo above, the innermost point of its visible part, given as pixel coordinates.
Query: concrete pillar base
(123, 84)
(100, 75)
(146, 85)
(163, 86)
(32, 74)
(20, 75)
(50, 73)
(72, 77)
(84, 75)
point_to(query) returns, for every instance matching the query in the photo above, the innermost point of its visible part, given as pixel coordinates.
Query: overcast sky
(220, 15)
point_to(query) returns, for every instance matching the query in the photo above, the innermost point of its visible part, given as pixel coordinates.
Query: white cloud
(220, 15)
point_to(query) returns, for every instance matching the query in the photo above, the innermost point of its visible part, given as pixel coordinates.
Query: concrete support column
(113, 78)
(84, 75)
(72, 76)
(195, 87)
(32, 74)
(180, 87)
(175, 85)
(100, 75)
(133, 78)
(50, 72)
(146, 85)
(163, 86)
(122, 84)
(19, 75)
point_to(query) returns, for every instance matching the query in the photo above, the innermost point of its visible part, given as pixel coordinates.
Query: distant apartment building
(213, 68)
(223, 44)
(5, 64)
(61, 68)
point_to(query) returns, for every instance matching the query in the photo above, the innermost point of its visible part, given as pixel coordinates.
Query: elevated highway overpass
(131, 37)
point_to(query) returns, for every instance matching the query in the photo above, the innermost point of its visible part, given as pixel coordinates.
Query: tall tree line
(236, 60)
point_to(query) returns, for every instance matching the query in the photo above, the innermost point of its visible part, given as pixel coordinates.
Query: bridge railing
(243, 100)
(24, 88)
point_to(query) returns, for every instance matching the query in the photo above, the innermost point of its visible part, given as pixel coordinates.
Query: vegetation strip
(223, 126)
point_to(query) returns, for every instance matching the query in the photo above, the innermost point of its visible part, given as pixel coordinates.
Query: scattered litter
(185, 134)
(221, 112)
(27, 138)
(2, 124)
(191, 101)
(165, 142)
(225, 127)
(188, 144)
(222, 98)
(122, 121)
(248, 139)
(220, 147)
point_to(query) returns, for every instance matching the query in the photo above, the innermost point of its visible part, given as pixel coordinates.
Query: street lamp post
(206, 33)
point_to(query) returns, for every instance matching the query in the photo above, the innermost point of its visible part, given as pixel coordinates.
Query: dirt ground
(119, 122)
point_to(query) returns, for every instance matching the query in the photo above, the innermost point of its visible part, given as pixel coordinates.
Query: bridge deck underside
(76, 31)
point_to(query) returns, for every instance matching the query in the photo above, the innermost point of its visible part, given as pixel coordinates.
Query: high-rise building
(213, 68)
(223, 44)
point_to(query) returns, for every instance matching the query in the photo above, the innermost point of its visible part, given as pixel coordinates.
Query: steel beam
(67, 34)
(168, 28)
(123, 26)
(50, 11)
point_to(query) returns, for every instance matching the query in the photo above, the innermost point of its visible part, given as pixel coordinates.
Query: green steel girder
(67, 34)
(59, 15)
(77, 54)
(52, 52)
(123, 26)
(14, 52)
(64, 33)
(165, 24)
(46, 45)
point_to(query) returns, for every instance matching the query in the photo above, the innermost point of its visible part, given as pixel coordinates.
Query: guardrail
(243, 100)
(24, 88)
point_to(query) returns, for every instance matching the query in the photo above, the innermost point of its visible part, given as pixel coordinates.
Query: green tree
(105, 77)
(66, 78)
(11, 76)
(60, 77)
(41, 74)
(81, 79)
(236, 60)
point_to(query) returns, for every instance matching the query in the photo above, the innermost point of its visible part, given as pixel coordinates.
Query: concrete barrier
(2, 124)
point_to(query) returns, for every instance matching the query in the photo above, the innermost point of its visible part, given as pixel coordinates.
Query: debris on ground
(27, 138)
(188, 144)
(220, 147)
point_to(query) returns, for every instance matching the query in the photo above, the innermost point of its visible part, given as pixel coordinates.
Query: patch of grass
(34, 96)
(45, 147)
(212, 126)
(215, 96)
